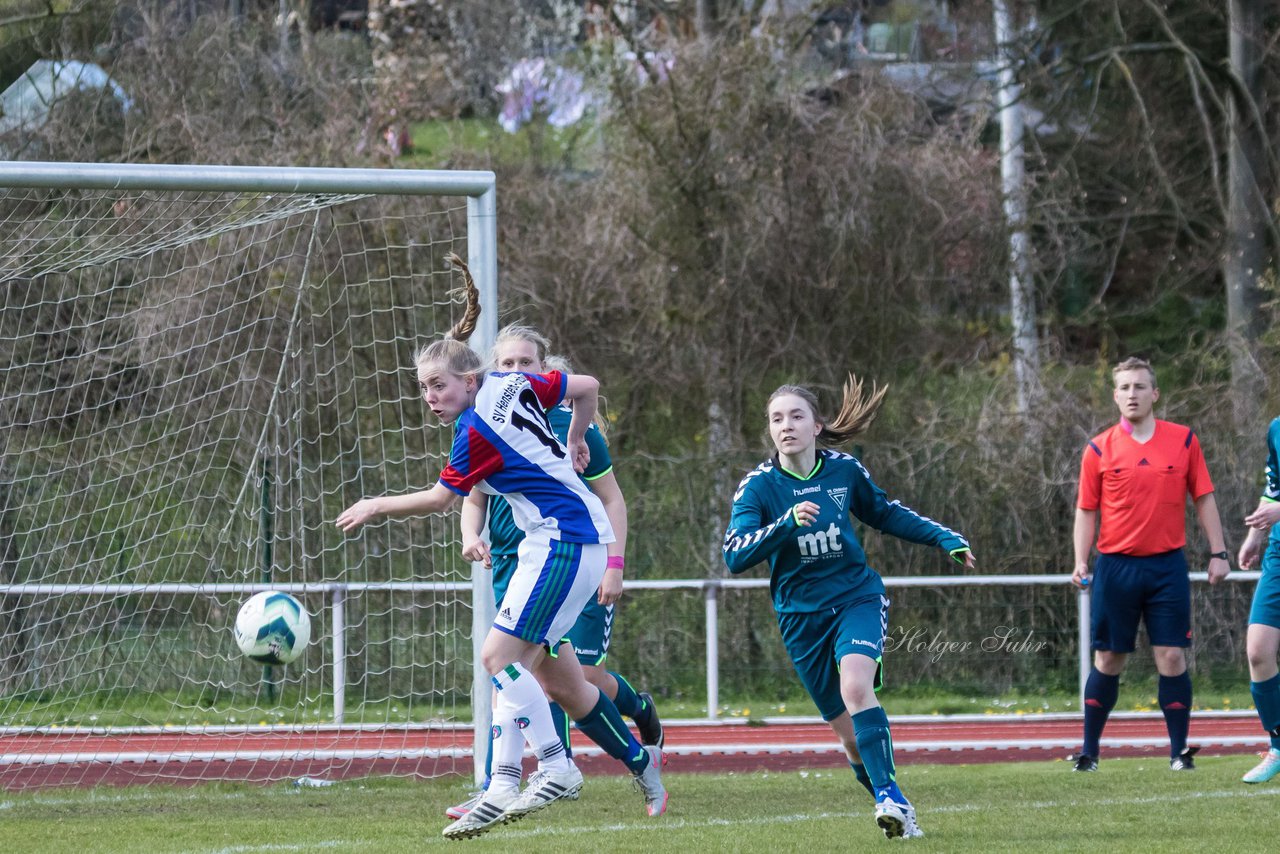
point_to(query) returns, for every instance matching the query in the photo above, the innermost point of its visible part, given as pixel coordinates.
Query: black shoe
(1183, 761)
(1084, 762)
(648, 722)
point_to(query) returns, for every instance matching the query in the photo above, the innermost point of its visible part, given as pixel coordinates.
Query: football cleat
(545, 788)
(487, 812)
(459, 810)
(894, 818)
(1266, 769)
(651, 726)
(911, 830)
(1084, 762)
(649, 781)
(1183, 761)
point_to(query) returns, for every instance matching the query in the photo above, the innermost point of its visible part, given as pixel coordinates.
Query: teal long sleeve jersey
(822, 565)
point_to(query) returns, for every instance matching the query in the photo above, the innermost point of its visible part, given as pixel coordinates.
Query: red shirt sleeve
(1089, 494)
(1198, 482)
(549, 387)
(472, 459)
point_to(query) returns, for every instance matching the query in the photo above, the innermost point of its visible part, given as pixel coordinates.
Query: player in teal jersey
(796, 510)
(1262, 641)
(523, 349)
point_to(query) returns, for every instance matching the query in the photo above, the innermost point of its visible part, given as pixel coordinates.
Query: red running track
(68, 757)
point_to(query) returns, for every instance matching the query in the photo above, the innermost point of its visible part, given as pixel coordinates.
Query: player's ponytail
(857, 410)
(462, 330)
(452, 352)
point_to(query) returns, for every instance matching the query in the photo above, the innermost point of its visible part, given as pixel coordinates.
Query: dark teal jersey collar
(818, 465)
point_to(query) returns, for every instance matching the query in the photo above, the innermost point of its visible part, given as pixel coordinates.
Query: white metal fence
(337, 594)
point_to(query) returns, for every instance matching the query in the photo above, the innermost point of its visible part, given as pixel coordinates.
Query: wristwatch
(1220, 556)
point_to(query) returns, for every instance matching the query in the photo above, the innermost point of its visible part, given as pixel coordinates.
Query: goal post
(200, 366)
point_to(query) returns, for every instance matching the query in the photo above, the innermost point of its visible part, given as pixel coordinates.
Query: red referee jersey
(1141, 488)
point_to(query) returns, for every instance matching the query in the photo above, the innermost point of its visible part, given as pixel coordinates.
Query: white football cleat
(544, 789)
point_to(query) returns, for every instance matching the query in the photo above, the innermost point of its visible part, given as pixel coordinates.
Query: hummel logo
(839, 495)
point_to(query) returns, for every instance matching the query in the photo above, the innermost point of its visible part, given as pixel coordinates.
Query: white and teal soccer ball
(272, 628)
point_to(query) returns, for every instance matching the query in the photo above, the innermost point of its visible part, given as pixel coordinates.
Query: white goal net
(199, 369)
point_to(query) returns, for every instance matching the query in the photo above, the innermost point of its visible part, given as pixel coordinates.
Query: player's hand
(579, 455)
(969, 560)
(361, 513)
(1250, 554)
(1081, 576)
(610, 587)
(805, 513)
(1219, 568)
(477, 550)
(1266, 515)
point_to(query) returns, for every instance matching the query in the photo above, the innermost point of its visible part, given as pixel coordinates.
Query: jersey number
(538, 425)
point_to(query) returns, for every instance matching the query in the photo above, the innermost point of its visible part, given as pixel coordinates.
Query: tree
(1248, 253)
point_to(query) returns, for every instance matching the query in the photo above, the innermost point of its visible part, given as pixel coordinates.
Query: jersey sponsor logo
(839, 495)
(506, 614)
(503, 402)
(807, 490)
(816, 543)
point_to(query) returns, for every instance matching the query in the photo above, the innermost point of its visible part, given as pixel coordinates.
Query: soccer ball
(272, 627)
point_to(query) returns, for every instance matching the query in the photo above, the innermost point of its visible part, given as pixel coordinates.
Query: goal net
(199, 369)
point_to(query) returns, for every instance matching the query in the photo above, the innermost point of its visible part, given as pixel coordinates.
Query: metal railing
(338, 592)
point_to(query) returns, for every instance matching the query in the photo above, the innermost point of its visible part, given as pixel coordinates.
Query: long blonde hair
(452, 351)
(857, 409)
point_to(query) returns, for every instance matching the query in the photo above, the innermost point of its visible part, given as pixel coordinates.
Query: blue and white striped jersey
(504, 445)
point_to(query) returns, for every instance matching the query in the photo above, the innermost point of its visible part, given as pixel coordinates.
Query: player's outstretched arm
(437, 499)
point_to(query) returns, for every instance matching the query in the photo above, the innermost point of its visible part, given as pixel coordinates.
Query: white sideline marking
(663, 825)
(242, 849)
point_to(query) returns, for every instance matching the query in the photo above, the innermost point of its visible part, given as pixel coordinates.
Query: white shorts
(553, 582)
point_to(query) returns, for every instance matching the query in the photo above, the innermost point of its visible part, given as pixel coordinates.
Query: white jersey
(505, 446)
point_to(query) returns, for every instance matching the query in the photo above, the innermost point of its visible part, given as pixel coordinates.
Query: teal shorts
(1266, 596)
(818, 640)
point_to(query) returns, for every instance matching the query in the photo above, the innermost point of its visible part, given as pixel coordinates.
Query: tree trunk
(1022, 305)
(1246, 256)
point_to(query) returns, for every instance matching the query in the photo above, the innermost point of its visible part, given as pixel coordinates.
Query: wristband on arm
(615, 562)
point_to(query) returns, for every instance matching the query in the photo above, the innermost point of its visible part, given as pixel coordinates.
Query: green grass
(1133, 805)
(441, 143)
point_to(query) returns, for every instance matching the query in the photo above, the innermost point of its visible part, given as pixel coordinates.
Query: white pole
(1084, 640)
(711, 593)
(1022, 308)
(482, 258)
(338, 615)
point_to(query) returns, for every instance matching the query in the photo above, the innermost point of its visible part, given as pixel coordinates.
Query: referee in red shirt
(1136, 476)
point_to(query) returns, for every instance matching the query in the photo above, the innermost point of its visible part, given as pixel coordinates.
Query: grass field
(1133, 805)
